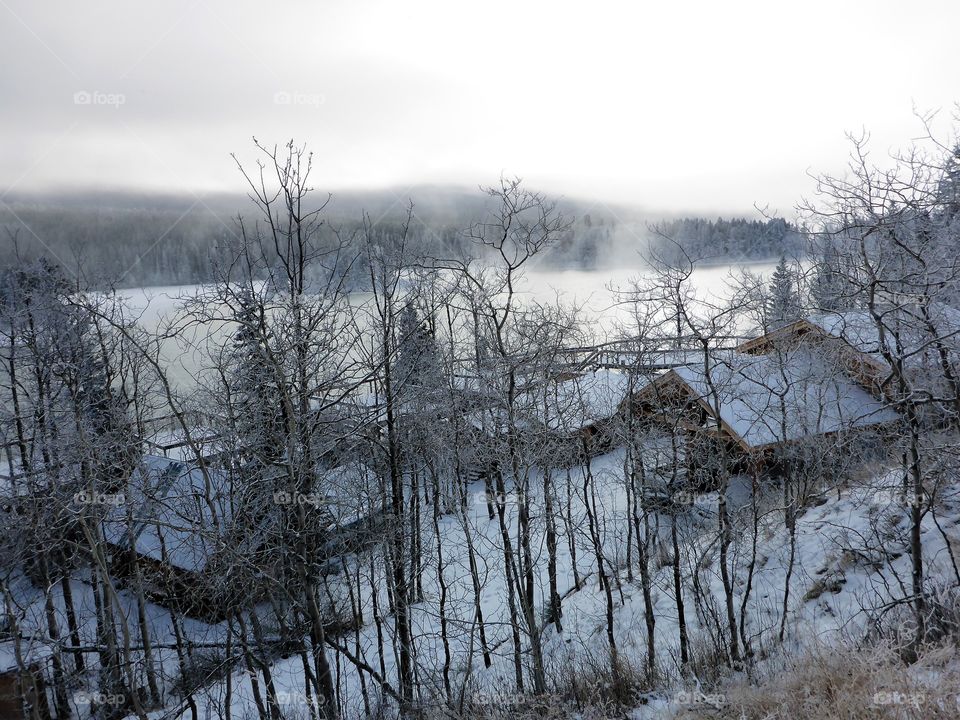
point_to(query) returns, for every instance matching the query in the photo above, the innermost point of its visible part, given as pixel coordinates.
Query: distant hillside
(727, 239)
(147, 240)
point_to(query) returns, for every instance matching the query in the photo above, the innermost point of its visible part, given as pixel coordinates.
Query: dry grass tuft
(846, 684)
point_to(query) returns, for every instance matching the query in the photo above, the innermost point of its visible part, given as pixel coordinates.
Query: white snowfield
(851, 557)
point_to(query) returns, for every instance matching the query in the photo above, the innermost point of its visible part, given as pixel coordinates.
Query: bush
(587, 687)
(847, 684)
(597, 683)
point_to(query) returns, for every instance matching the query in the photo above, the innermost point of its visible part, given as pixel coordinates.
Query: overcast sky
(667, 105)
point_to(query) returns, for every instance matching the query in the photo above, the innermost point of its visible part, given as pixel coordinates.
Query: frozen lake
(594, 291)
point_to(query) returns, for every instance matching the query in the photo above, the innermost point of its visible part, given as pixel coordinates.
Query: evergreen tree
(418, 363)
(828, 288)
(783, 303)
(258, 414)
(949, 190)
(104, 407)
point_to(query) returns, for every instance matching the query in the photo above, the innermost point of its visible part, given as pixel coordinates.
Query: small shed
(22, 686)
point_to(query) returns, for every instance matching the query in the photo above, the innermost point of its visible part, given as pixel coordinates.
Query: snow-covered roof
(559, 405)
(765, 399)
(186, 519)
(859, 329)
(31, 652)
(351, 493)
(578, 402)
(173, 511)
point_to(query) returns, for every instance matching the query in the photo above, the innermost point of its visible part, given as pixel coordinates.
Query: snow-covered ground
(851, 556)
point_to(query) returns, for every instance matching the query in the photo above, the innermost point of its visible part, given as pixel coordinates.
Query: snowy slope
(850, 555)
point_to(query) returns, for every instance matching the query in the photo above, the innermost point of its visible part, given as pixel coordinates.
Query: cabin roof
(858, 329)
(351, 492)
(564, 405)
(768, 399)
(31, 652)
(172, 512)
(184, 519)
(582, 401)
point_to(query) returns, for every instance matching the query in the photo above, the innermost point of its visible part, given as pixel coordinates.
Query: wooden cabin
(175, 528)
(23, 693)
(750, 404)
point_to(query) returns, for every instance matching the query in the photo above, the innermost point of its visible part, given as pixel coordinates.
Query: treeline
(179, 243)
(133, 247)
(138, 247)
(589, 243)
(728, 240)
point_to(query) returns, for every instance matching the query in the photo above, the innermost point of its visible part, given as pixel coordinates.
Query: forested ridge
(151, 242)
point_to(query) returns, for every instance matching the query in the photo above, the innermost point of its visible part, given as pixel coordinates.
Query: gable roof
(769, 399)
(582, 401)
(32, 650)
(174, 515)
(769, 339)
(179, 516)
(858, 329)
